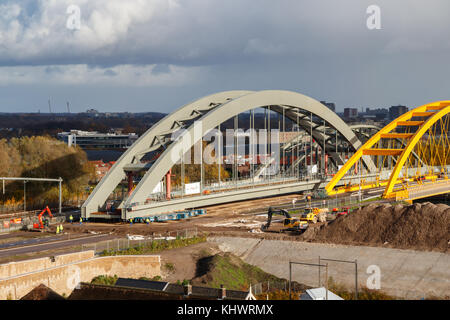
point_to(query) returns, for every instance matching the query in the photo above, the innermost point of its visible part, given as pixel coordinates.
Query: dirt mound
(421, 226)
(230, 271)
(42, 292)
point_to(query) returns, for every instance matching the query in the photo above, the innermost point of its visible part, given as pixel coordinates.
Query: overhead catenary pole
(26, 180)
(355, 262)
(306, 264)
(60, 194)
(25, 195)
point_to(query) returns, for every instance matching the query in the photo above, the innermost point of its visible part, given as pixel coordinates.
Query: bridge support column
(130, 182)
(168, 184)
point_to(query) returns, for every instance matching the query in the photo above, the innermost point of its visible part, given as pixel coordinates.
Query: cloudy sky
(156, 55)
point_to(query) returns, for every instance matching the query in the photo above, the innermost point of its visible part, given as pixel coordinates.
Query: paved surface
(404, 273)
(31, 241)
(30, 248)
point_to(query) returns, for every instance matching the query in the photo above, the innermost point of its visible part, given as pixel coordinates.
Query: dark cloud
(321, 48)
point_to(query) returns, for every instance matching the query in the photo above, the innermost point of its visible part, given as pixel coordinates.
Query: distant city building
(379, 113)
(330, 105)
(95, 140)
(397, 111)
(350, 113)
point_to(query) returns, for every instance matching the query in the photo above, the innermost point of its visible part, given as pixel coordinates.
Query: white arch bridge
(318, 135)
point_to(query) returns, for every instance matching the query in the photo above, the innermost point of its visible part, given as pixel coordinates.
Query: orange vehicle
(43, 223)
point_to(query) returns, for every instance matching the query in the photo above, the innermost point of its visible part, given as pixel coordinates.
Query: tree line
(43, 157)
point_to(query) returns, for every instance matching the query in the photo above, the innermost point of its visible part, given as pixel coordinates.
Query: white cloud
(120, 75)
(205, 32)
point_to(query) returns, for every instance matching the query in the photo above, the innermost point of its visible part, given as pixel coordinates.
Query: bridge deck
(429, 190)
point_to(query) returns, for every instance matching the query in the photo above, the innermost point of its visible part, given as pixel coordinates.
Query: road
(56, 244)
(31, 241)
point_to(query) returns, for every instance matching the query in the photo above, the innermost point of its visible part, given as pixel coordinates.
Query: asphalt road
(31, 241)
(58, 244)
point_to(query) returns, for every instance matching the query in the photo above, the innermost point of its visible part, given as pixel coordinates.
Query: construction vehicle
(43, 222)
(290, 223)
(343, 212)
(314, 215)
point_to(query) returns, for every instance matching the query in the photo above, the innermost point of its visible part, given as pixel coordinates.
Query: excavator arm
(47, 209)
(270, 213)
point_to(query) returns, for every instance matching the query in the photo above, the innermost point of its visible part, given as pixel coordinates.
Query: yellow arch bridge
(414, 151)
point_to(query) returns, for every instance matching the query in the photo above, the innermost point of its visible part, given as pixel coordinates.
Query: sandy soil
(184, 260)
(239, 217)
(421, 226)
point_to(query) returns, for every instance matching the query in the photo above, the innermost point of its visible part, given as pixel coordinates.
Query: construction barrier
(132, 242)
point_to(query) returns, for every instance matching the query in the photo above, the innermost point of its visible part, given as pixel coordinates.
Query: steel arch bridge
(415, 147)
(212, 111)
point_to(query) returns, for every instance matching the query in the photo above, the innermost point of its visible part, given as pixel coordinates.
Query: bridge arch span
(211, 111)
(422, 118)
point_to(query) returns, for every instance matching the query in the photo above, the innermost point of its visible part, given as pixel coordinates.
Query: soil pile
(42, 292)
(421, 226)
(230, 271)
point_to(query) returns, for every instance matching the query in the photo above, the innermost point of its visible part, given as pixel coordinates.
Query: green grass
(233, 273)
(105, 280)
(156, 246)
(169, 267)
(155, 278)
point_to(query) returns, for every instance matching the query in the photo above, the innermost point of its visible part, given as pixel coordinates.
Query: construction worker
(71, 219)
(131, 221)
(57, 229)
(81, 220)
(147, 220)
(61, 228)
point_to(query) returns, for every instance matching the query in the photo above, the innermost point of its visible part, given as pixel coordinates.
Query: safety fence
(282, 286)
(275, 286)
(130, 242)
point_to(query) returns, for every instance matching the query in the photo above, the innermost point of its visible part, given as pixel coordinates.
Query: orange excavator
(43, 222)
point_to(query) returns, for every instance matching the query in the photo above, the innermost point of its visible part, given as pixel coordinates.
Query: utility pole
(355, 262)
(60, 194)
(24, 195)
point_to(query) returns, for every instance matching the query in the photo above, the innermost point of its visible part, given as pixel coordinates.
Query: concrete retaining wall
(63, 277)
(404, 273)
(20, 267)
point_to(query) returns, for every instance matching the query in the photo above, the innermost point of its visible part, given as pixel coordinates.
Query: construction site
(372, 223)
